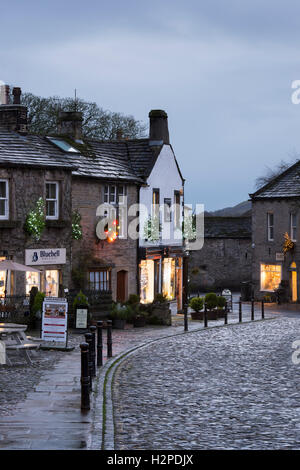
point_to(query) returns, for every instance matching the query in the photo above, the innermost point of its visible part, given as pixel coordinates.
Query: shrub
(211, 300)
(196, 303)
(160, 298)
(80, 299)
(221, 302)
(38, 303)
(133, 299)
(121, 312)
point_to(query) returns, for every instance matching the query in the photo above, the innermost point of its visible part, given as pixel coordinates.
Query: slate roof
(227, 227)
(287, 184)
(127, 160)
(29, 150)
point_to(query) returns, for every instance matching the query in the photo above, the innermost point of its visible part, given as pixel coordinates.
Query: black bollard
(185, 311)
(262, 309)
(240, 310)
(99, 343)
(109, 338)
(252, 309)
(85, 378)
(93, 352)
(88, 339)
(205, 316)
(226, 314)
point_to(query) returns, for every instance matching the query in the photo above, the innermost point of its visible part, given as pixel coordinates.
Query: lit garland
(76, 226)
(36, 220)
(112, 232)
(288, 244)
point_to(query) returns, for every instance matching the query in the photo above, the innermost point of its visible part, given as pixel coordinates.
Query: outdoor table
(14, 338)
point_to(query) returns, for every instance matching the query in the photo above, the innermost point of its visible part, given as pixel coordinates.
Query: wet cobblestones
(224, 388)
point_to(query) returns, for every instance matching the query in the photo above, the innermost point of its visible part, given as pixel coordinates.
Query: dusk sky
(222, 70)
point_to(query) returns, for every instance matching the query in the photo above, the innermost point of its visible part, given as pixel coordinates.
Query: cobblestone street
(223, 388)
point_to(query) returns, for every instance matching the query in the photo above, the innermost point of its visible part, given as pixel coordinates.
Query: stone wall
(221, 263)
(92, 253)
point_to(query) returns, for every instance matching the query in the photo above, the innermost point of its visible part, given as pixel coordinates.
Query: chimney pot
(17, 95)
(70, 123)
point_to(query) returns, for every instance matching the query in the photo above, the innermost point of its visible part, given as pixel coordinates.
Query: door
(121, 286)
(294, 282)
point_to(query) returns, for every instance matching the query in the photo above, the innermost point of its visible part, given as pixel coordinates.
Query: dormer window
(4, 200)
(52, 200)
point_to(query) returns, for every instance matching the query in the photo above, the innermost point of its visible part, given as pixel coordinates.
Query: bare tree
(271, 173)
(97, 123)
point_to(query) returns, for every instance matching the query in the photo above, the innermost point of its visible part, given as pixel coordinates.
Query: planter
(211, 315)
(197, 315)
(162, 312)
(118, 324)
(139, 322)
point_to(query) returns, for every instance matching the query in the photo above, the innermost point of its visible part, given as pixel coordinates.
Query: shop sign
(55, 320)
(45, 256)
(81, 317)
(279, 256)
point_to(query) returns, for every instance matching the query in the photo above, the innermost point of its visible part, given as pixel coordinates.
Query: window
(52, 200)
(270, 276)
(32, 280)
(110, 194)
(177, 209)
(52, 283)
(167, 210)
(63, 145)
(99, 280)
(4, 208)
(293, 227)
(270, 216)
(168, 287)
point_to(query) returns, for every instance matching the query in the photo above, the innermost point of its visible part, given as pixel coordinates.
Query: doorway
(294, 282)
(121, 286)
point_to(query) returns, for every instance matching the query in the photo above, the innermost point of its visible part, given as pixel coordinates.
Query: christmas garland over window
(76, 226)
(152, 229)
(36, 220)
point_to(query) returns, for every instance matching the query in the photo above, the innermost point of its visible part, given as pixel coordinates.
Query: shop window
(270, 276)
(99, 280)
(52, 200)
(32, 280)
(168, 287)
(2, 279)
(4, 206)
(270, 218)
(293, 227)
(52, 283)
(147, 281)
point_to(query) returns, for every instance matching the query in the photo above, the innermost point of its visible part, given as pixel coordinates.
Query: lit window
(52, 200)
(147, 281)
(4, 207)
(32, 280)
(293, 226)
(270, 226)
(52, 283)
(63, 145)
(168, 287)
(270, 276)
(99, 280)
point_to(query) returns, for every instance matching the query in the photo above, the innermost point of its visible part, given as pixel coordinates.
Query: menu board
(55, 321)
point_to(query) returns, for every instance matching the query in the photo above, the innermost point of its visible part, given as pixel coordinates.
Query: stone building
(32, 168)
(275, 234)
(225, 259)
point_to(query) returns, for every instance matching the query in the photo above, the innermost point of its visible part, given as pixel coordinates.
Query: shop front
(161, 273)
(50, 262)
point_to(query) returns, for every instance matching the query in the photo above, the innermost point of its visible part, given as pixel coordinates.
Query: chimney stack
(70, 124)
(159, 132)
(13, 116)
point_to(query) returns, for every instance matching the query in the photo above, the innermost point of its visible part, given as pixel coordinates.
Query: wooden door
(121, 286)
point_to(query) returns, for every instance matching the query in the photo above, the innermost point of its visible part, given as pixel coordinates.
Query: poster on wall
(55, 320)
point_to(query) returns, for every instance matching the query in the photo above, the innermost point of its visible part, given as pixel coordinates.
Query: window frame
(293, 228)
(56, 200)
(270, 227)
(107, 281)
(5, 199)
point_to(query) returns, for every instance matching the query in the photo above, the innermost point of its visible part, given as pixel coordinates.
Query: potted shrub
(211, 304)
(221, 304)
(196, 304)
(81, 301)
(120, 314)
(161, 310)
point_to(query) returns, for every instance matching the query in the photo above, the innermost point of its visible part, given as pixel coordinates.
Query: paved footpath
(40, 406)
(223, 388)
